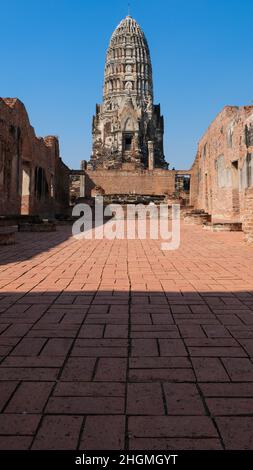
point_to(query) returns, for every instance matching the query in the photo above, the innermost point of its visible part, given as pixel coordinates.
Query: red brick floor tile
(141, 319)
(154, 331)
(28, 373)
(216, 352)
(58, 433)
(6, 391)
(237, 432)
(172, 347)
(116, 331)
(18, 330)
(144, 347)
(162, 319)
(29, 346)
(191, 331)
(57, 347)
(239, 369)
(103, 433)
(230, 406)
(78, 368)
(230, 389)
(15, 442)
(183, 399)
(62, 331)
(174, 444)
(18, 424)
(247, 344)
(30, 397)
(111, 319)
(111, 369)
(209, 369)
(90, 389)
(216, 331)
(161, 375)
(33, 361)
(159, 362)
(145, 399)
(91, 331)
(85, 405)
(170, 426)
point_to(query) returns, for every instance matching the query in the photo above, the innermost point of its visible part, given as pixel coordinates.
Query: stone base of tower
(128, 181)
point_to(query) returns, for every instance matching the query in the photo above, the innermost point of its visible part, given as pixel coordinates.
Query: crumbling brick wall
(33, 179)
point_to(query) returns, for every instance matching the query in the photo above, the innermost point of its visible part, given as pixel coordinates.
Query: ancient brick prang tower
(128, 128)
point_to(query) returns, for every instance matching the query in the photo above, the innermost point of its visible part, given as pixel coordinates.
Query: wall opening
(127, 142)
(249, 164)
(41, 185)
(26, 188)
(235, 187)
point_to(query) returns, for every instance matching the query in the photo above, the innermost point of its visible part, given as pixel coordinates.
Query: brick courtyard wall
(33, 179)
(223, 166)
(156, 182)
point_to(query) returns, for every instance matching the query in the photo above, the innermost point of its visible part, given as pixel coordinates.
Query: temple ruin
(127, 161)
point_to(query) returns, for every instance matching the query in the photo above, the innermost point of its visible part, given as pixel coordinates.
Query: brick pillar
(82, 179)
(248, 215)
(150, 155)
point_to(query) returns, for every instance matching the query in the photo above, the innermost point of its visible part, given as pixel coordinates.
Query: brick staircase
(197, 217)
(223, 226)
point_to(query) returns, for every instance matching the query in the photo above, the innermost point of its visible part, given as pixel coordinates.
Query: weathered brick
(209, 370)
(144, 347)
(103, 433)
(239, 369)
(30, 397)
(111, 370)
(18, 424)
(78, 368)
(145, 399)
(169, 426)
(183, 399)
(237, 432)
(58, 433)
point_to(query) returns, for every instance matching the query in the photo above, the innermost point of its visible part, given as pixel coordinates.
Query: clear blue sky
(52, 58)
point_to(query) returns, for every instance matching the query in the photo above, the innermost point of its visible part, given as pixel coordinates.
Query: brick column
(150, 155)
(248, 215)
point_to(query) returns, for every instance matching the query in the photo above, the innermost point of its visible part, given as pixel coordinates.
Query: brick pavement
(119, 345)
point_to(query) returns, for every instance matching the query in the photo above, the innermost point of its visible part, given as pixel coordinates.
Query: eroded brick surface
(117, 344)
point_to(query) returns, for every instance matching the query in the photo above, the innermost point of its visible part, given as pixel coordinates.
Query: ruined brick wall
(33, 179)
(223, 166)
(156, 182)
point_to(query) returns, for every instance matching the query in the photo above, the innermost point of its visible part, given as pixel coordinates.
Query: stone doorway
(127, 142)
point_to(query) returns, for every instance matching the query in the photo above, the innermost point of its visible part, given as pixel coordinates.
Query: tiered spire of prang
(128, 128)
(128, 66)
